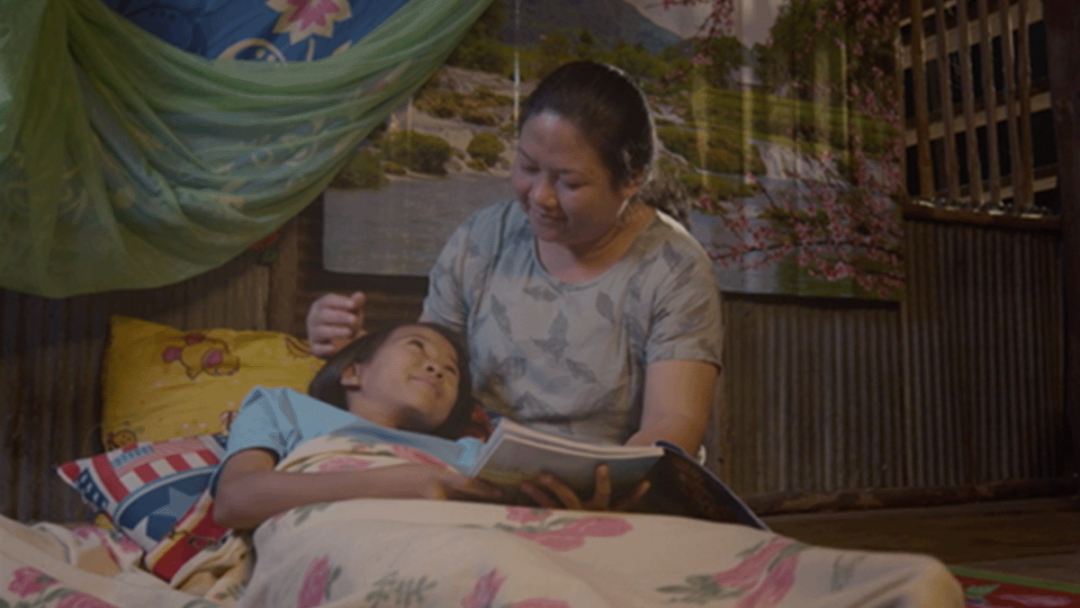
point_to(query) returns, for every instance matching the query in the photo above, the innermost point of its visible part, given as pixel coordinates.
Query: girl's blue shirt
(280, 419)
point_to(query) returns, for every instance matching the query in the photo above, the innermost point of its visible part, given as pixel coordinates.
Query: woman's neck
(580, 263)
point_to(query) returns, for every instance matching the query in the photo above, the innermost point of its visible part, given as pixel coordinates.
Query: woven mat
(987, 589)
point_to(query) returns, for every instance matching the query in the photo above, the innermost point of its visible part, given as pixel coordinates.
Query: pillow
(160, 382)
(145, 488)
(193, 532)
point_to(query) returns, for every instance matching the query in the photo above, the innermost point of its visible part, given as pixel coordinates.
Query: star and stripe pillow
(145, 488)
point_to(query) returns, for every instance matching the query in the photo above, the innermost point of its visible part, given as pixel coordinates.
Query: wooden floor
(1034, 538)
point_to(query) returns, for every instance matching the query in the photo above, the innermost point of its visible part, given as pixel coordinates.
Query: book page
(510, 460)
(509, 428)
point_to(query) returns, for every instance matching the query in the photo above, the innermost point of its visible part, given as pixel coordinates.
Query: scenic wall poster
(779, 125)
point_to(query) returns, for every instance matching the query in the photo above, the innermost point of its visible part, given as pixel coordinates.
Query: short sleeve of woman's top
(684, 318)
(463, 266)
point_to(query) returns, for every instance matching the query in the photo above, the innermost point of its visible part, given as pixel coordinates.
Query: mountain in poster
(609, 22)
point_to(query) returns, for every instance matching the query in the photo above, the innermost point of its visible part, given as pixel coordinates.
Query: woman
(587, 312)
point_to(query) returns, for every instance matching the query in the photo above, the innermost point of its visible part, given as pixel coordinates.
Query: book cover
(683, 486)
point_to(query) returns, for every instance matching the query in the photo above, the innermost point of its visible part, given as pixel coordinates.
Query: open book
(515, 454)
(680, 485)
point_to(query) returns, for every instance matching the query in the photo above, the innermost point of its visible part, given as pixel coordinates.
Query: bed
(169, 396)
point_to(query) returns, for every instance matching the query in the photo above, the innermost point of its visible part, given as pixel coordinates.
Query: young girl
(408, 384)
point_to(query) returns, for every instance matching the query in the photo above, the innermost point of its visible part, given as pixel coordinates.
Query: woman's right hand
(333, 321)
(550, 492)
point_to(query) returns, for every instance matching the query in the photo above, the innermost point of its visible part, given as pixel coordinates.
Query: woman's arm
(250, 491)
(677, 401)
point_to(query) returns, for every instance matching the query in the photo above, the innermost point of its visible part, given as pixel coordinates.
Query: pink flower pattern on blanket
(745, 575)
(484, 590)
(29, 580)
(121, 548)
(562, 533)
(317, 579)
(761, 580)
(344, 463)
(414, 455)
(777, 583)
(487, 586)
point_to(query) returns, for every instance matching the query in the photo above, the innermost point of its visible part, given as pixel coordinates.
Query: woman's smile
(547, 219)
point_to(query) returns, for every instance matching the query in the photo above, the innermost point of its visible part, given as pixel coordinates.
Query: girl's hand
(333, 321)
(554, 494)
(436, 483)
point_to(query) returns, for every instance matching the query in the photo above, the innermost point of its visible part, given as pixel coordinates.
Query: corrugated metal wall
(985, 354)
(814, 397)
(958, 386)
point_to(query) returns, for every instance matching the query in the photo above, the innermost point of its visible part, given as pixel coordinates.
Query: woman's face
(414, 373)
(562, 184)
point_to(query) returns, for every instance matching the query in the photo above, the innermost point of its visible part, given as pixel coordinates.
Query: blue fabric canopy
(274, 30)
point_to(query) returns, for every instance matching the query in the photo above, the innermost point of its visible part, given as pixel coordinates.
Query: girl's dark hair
(326, 386)
(607, 107)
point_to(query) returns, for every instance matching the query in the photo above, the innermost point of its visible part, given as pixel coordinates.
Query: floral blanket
(414, 553)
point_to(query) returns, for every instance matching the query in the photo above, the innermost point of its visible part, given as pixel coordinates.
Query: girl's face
(562, 184)
(411, 381)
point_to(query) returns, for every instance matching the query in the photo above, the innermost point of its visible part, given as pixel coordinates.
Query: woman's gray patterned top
(571, 358)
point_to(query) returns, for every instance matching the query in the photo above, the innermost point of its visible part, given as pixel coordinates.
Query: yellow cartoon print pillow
(160, 382)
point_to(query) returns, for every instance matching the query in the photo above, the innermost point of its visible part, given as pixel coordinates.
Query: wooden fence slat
(1009, 91)
(974, 164)
(952, 168)
(1025, 176)
(989, 107)
(922, 112)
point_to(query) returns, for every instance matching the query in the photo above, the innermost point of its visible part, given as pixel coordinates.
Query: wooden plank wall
(954, 395)
(50, 360)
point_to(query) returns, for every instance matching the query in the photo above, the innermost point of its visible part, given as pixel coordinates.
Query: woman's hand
(333, 321)
(554, 494)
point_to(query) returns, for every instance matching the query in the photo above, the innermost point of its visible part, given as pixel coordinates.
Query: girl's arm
(677, 401)
(250, 491)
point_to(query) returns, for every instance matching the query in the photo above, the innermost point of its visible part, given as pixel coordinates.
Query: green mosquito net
(128, 163)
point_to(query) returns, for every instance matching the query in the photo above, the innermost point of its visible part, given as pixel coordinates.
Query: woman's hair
(609, 110)
(326, 386)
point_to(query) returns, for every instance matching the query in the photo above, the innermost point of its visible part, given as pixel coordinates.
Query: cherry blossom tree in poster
(818, 214)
